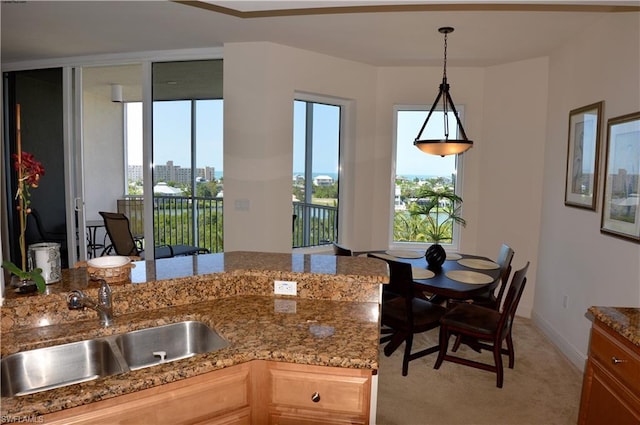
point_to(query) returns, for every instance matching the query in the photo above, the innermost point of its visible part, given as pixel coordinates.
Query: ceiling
(381, 33)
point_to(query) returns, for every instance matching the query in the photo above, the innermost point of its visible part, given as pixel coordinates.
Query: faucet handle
(104, 293)
(74, 300)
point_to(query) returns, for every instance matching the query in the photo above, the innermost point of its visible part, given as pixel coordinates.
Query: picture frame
(583, 155)
(620, 201)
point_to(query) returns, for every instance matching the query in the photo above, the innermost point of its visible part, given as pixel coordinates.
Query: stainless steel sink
(43, 369)
(151, 346)
(52, 367)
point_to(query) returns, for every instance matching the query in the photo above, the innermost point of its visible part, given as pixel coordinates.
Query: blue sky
(172, 126)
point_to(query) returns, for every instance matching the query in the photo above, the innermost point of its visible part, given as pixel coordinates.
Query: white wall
(260, 81)
(509, 190)
(575, 259)
(103, 155)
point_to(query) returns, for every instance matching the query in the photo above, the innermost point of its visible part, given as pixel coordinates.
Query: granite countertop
(334, 320)
(624, 320)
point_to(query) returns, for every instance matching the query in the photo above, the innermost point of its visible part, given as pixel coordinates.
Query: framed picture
(583, 152)
(620, 209)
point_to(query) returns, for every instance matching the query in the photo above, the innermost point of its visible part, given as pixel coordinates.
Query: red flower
(32, 170)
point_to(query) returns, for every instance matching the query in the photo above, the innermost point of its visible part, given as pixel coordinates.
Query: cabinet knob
(315, 397)
(615, 360)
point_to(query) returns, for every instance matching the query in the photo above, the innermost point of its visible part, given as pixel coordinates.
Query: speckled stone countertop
(624, 320)
(334, 320)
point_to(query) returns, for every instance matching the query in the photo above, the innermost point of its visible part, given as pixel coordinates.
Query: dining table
(460, 277)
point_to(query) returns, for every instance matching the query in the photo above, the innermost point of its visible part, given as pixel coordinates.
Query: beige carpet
(543, 388)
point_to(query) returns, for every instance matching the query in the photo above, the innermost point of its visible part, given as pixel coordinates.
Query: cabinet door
(313, 394)
(222, 394)
(606, 401)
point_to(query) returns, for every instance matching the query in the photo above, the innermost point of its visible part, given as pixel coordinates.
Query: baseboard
(574, 355)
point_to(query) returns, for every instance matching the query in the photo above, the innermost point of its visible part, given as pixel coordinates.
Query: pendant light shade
(444, 146)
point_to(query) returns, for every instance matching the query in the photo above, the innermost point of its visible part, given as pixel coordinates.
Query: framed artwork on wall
(620, 203)
(583, 152)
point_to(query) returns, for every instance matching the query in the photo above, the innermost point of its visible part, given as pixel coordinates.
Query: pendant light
(444, 146)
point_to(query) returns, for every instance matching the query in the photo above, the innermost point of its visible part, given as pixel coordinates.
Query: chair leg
(497, 357)
(443, 340)
(512, 354)
(457, 343)
(395, 342)
(407, 354)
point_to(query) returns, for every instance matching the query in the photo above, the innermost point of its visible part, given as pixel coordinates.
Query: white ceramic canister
(46, 255)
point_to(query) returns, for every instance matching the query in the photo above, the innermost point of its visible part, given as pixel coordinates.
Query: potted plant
(440, 209)
(28, 172)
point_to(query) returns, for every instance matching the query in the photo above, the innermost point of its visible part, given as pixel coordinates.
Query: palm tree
(442, 202)
(439, 202)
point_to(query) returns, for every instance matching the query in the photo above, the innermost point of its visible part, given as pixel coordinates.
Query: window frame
(344, 105)
(459, 172)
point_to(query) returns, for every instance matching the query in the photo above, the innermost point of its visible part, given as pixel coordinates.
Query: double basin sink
(57, 366)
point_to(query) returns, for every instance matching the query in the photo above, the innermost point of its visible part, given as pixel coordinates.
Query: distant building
(171, 173)
(162, 189)
(323, 181)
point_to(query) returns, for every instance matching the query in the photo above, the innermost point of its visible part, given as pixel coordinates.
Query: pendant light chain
(445, 55)
(445, 99)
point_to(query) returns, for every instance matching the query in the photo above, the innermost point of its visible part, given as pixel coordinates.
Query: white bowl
(109, 261)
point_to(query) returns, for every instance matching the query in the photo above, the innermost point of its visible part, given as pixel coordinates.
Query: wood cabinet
(257, 392)
(314, 395)
(219, 397)
(611, 386)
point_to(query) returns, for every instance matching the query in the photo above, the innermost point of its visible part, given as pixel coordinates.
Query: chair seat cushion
(425, 313)
(472, 317)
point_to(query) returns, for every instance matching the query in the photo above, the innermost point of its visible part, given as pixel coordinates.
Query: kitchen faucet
(77, 300)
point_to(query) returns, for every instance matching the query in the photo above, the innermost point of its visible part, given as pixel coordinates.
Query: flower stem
(21, 207)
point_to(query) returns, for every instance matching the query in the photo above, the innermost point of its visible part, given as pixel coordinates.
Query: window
(316, 159)
(426, 186)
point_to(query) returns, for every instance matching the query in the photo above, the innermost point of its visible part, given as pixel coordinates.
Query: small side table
(92, 244)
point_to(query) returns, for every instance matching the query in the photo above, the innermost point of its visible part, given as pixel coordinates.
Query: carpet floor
(542, 389)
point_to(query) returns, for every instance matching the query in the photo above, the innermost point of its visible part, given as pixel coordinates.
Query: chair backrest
(341, 250)
(512, 299)
(117, 226)
(504, 260)
(400, 285)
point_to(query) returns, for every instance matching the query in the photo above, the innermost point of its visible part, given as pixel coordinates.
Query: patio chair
(123, 242)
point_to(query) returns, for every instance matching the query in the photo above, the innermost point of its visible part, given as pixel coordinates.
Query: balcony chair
(488, 328)
(341, 250)
(404, 314)
(123, 242)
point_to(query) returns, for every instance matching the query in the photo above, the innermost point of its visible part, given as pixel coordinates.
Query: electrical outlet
(284, 287)
(565, 301)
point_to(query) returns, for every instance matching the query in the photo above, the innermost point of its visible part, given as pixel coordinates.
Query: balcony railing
(176, 221)
(179, 220)
(314, 225)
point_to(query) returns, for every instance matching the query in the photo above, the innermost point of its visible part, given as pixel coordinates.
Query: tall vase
(46, 256)
(435, 256)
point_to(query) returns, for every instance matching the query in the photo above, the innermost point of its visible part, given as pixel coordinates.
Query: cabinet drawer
(334, 390)
(616, 356)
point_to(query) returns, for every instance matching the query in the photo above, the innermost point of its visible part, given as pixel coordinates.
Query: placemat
(419, 273)
(467, 276)
(385, 256)
(477, 263)
(453, 256)
(400, 253)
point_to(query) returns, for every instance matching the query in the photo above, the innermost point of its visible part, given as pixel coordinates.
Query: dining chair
(123, 242)
(490, 299)
(404, 314)
(341, 250)
(487, 327)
